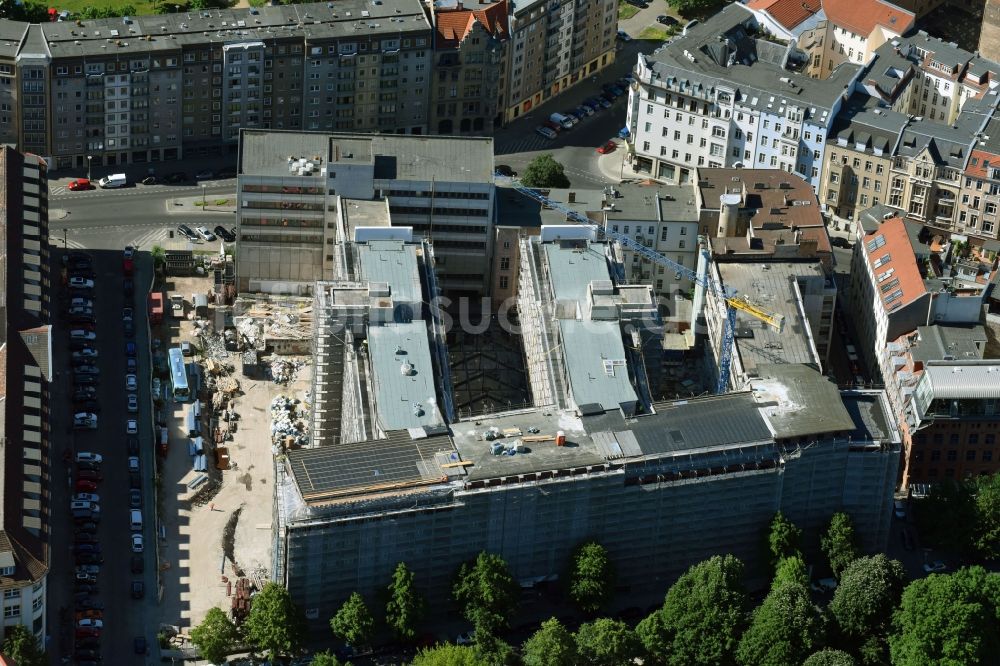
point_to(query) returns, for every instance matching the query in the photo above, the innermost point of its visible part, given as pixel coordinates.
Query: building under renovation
(392, 475)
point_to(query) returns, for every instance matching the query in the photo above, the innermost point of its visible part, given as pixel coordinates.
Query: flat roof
(770, 286)
(970, 380)
(596, 363)
(574, 266)
(348, 468)
(870, 420)
(797, 400)
(363, 213)
(403, 399)
(393, 262)
(940, 342)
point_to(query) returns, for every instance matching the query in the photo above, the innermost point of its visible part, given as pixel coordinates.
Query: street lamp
(203, 186)
(88, 166)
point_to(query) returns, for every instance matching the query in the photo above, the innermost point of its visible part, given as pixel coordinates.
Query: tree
(869, 591)
(551, 645)
(785, 629)
(702, 617)
(829, 657)
(448, 655)
(654, 636)
(606, 642)
(693, 7)
(353, 622)
(405, 607)
(839, 543)
(782, 538)
(947, 516)
(216, 636)
(487, 593)
(22, 647)
(790, 570)
(591, 577)
(948, 619)
(326, 659)
(986, 537)
(493, 650)
(275, 624)
(158, 254)
(544, 171)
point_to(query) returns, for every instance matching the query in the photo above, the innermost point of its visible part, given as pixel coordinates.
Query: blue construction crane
(721, 292)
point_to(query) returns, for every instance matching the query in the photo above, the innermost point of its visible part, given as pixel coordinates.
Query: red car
(80, 184)
(89, 475)
(609, 147)
(127, 266)
(555, 127)
(85, 486)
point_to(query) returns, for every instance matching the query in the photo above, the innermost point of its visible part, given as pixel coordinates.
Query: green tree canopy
(487, 593)
(448, 654)
(606, 642)
(275, 624)
(406, 606)
(702, 617)
(544, 171)
(790, 569)
(353, 622)
(947, 516)
(839, 543)
(950, 620)
(786, 628)
(591, 577)
(782, 538)
(21, 646)
(869, 591)
(986, 535)
(830, 657)
(325, 658)
(655, 638)
(551, 645)
(216, 636)
(493, 650)
(691, 8)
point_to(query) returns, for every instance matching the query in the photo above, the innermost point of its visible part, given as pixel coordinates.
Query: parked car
(90, 604)
(131, 426)
(85, 421)
(622, 35)
(128, 329)
(134, 481)
(84, 380)
(87, 369)
(88, 466)
(824, 585)
(85, 486)
(505, 170)
(81, 283)
(133, 464)
(89, 475)
(87, 354)
(204, 174)
(87, 632)
(86, 497)
(138, 589)
(554, 126)
(135, 499)
(137, 545)
(606, 148)
(547, 132)
(88, 558)
(663, 19)
(86, 456)
(937, 566)
(466, 638)
(84, 537)
(204, 234)
(132, 446)
(86, 406)
(90, 622)
(227, 172)
(188, 232)
(175, 177)
(132, 403)
(130, 349)
(137, 564)
(131, 383)
(131, 366)
(225, 234)
(585, 110)
(839, 241)
(128, 288)
(83, 318)
(79, 184)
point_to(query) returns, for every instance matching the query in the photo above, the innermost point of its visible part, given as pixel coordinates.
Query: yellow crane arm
(772, 319)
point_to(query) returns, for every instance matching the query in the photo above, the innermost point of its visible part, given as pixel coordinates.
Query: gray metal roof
(654, 202)
(863, 119)
(946, 144)
(949, 342)
(797, 401)
(754, 73)
(976, 380)
(572, 269)
(399, 395)
(394, 262)
(596, 363)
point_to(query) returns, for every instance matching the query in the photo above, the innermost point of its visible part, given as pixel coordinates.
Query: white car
(90, 622)
(81, 283)
(936, 566)
(81, 334)
(80, 302)
(466, 639)
(85, 456)
(137, 543)
(131, 426)
(133, 403)
(86, 497)
(205, 234)
(547, 132)
(133, 463)
(131, 383)
(85, 420)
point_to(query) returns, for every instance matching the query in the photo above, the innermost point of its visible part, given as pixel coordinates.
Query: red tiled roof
(861, 16)
(978, 161)
(453, 25)
(788, 13)
(890, 255)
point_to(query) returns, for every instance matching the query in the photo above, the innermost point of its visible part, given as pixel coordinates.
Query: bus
(178, 375)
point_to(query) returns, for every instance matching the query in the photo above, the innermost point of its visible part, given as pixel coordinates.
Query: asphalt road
(124, 617)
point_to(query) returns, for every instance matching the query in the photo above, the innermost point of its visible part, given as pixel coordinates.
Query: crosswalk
(60, 189)
(97, 237)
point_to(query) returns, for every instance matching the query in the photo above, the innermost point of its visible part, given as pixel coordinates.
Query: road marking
(149, 239)
(57, 190)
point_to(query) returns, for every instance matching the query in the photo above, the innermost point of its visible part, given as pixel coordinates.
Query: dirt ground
(196, 573)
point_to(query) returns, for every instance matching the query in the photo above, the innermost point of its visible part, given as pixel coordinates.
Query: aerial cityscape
(500, 332)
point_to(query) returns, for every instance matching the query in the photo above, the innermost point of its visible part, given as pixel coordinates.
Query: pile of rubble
(250, 332)
(288, 418)
(283, 370)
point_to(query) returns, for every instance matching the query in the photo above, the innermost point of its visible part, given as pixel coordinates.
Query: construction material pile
(250, 332)
(287, 423)
(283, 370)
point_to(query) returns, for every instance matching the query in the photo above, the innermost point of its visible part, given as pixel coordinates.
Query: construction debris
(288, 419)
(283, 370)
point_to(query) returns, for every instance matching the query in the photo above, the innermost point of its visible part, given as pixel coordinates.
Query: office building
(729, 94)
(296, 188)
(25, 374)
(661, 485)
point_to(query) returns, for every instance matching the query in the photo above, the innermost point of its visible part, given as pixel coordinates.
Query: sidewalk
(225, 203)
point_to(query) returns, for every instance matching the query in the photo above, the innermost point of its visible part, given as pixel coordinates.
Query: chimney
(572, 197)
(786, 199)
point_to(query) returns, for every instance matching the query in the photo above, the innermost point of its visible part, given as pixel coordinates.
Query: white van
(135, 520)
(561, 120)
(113, 181)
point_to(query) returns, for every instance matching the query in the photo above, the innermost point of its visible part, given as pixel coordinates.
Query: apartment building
(860, 157)
(154, 88)
(296, 189)
(980, 191)
(832, 32)
(26, 364)
(441, 495)
(726, 94)
(555, 45)
(470, 76)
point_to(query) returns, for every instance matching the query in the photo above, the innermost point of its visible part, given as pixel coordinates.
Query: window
(11, 594)
(952, 456)
(935, 455)
(681, 245)
(970, 456)
(505, 263)
(504, 281)
(12, 611)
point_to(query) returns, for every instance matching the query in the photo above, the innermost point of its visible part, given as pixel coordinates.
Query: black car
(83, 653)
(88, 520)
(666, 20)
(84, 273)
(83, 319)
(81, 266)
(228, 172)
(88, 465)
(188, 232)
(138, 564)
(86, 406)
(225, 234)
(135, 499)
(84, 380)
(90, 604)
(89, 558)
(134, 480)
(129, 329)
(175, 177)
(505, 170)
(838, 241)
(138, 589)
(84, 393)
(128, 288)
(86, 527)
(132, 444)
(89, 643)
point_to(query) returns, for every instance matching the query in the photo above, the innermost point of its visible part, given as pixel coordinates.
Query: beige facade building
(980, 193)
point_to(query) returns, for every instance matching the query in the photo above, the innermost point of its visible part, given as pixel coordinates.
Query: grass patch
(653, 34)
(626, 11)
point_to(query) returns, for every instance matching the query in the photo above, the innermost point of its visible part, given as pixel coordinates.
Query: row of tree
(963, 516)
